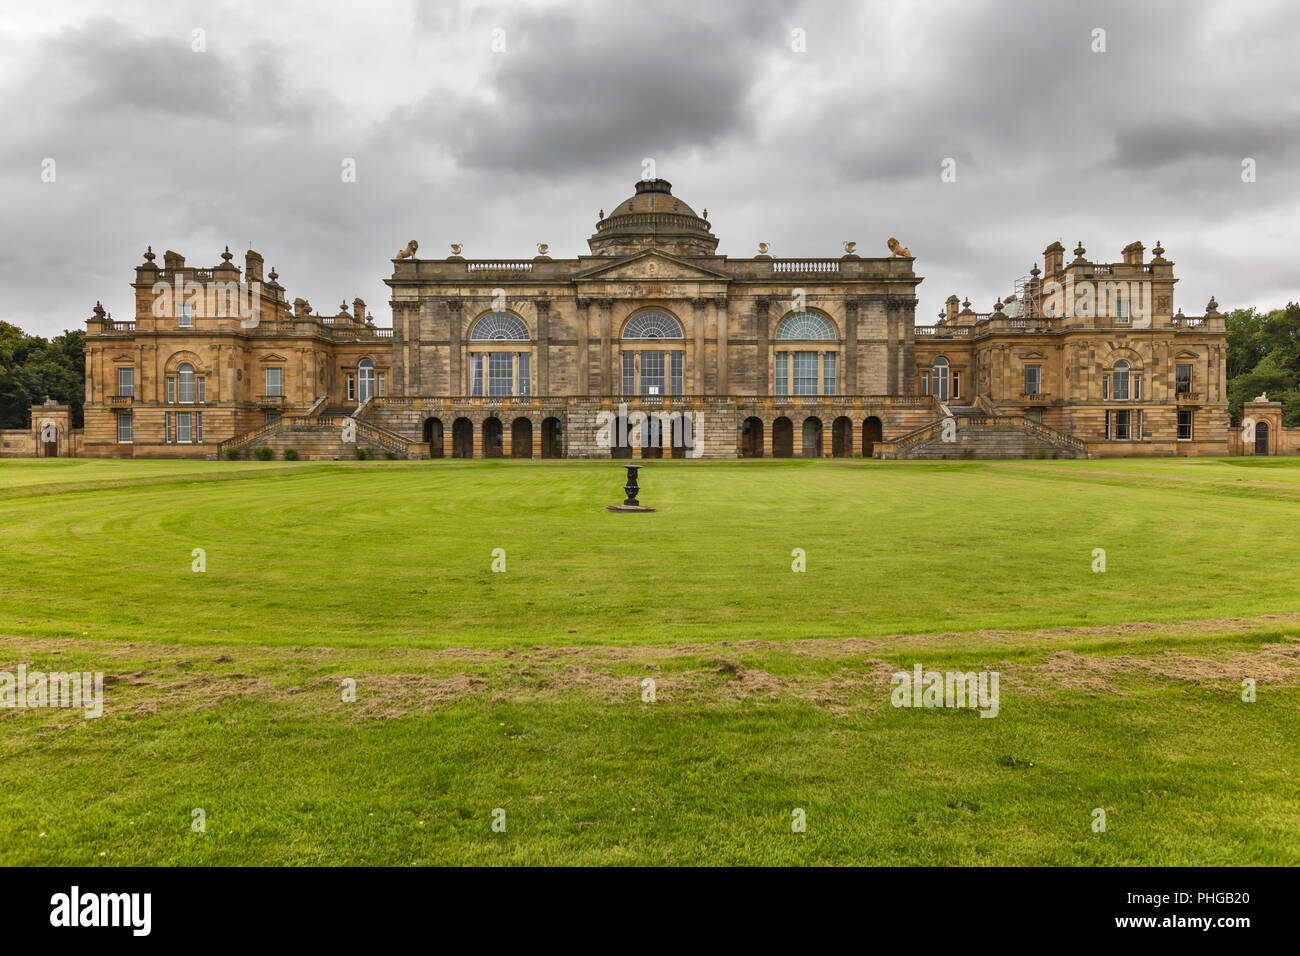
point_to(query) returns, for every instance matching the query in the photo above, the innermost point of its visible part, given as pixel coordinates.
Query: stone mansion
(653, 345)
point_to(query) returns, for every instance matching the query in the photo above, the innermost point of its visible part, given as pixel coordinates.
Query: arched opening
(682, 436)
(462, 438)
(872, 432)
(365, 381)
(552, 438)
(842, 438)
(521, 438)
(652, 438)
(433, 435)
(1261, 438)
(751, 438)
(782, 438)
(812, 438)
(620, 440)
(492, 438)
(1120, 380)
(940, 379)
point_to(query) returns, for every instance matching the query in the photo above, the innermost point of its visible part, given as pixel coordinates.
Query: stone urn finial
(1211, 306)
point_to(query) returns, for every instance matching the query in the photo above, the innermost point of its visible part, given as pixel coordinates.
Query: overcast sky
(455, 141)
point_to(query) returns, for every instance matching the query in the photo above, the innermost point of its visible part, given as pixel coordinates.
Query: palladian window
(655, 371)
(499, 370)
(807, 327)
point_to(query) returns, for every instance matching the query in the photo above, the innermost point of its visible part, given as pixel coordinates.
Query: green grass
(522, 690)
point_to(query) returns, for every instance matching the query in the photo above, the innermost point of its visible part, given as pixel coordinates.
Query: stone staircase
(323, 434)
(975, 431)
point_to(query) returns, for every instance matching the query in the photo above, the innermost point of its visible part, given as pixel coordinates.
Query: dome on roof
(653, 218)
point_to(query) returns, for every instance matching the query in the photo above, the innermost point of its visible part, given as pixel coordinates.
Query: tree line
(1264, 356)
(32, 368)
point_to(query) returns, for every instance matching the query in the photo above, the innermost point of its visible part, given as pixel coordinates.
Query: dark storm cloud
(574, 92)
(456, 143)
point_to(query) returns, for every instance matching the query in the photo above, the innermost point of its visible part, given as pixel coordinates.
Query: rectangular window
(381, 386)
(1033, 379)
(476, 374)
(186, 390)
(198, 428)
(525, 373)
(185, 317)
(183, 428)
(1183, 379)
(171, 390)
(805, 373)
(956, 384)
(1120, 425)
(1185, 424)
(352, 386)
(202, 384)
(126, 382)
(629, 373)
(501, 373)
(1120, 380)
(1137, 431)
(783, 373)
(124, 425)
(652, 373)
(829, 384)
(925, 382)
(1034, 414)
(271, 417)
(679, 378)
(274, 381)
(1121, 309)
(1105, 388)
(1137, 388)
(167, 428)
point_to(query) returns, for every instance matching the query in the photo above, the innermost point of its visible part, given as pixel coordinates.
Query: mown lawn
(522, 691)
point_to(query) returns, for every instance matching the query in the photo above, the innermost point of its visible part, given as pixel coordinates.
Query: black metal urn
(632, 487)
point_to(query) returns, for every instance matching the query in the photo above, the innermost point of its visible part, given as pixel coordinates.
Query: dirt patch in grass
(143, 680)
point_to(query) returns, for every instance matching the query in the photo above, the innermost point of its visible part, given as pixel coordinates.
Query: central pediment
(652, 266)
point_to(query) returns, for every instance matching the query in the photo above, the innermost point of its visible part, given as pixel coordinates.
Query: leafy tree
(1264, 356)
(32, 368)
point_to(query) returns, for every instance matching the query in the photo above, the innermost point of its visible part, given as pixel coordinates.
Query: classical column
(850, 362)
(700, 353)
(604, 307)
(724, 363)
(541, 375)
(584, 346)
(892, 349)
(455, 360)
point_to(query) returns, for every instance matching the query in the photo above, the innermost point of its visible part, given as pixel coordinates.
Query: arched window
(1120, 380)
(499, 327)
(652, 324)
(366, 378)
(806, 326)
(940, 379)
(185, 383)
